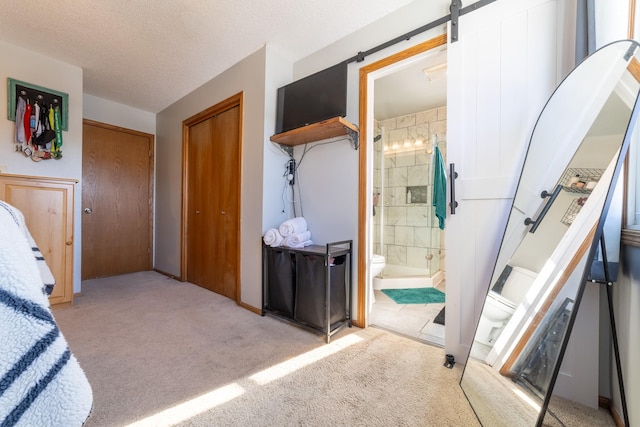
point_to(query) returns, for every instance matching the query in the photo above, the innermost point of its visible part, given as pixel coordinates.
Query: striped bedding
(41, 382)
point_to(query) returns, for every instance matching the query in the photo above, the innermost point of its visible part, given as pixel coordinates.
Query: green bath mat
(415, 295)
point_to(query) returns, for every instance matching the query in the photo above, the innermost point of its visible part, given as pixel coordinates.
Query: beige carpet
(513, 408)
(160, 352)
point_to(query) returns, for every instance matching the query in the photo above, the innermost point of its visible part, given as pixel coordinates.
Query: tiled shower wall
(411, 234)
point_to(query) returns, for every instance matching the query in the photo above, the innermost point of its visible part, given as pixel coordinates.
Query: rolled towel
(272, 237)
(298, 240)
(293, 226)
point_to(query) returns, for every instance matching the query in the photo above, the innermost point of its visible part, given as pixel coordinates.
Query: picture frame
(16, 88)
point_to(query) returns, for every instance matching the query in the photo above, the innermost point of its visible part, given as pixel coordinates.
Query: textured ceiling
(148, 54)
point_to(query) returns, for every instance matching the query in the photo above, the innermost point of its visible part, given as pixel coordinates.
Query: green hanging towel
(440, 188)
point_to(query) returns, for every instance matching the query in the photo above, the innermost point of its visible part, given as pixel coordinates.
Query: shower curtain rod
(456, 11)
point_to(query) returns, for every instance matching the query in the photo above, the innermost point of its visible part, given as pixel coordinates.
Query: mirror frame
(586, 251)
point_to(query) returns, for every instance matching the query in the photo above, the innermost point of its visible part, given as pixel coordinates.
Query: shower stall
(405, 229)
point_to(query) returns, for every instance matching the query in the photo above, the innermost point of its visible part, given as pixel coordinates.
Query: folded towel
(293, 226)
(272, 237)
(298, 240)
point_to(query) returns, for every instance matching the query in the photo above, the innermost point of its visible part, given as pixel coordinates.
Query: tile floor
(413, 320)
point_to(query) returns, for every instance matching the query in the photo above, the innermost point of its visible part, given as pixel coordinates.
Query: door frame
(364, 201)
(151, 177)
(233, 101)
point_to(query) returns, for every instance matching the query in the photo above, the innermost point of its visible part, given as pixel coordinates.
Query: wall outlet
(3, 168)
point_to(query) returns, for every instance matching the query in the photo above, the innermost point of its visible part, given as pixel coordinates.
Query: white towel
(298, 240)
(272, 237)
(293, 226)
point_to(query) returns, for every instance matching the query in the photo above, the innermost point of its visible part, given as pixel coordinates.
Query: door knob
(87, 211)
(222, 212)
(197, 212)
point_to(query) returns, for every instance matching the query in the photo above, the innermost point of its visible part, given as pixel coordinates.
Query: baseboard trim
(606, 403)
(616, 417)
(240, 303)
(170, 276)
(250, 308)
(61, 305)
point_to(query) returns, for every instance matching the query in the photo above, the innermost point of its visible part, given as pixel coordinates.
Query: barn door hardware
(455, 14)
(457, 11)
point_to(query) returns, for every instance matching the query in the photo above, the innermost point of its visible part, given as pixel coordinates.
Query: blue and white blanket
(41, 382)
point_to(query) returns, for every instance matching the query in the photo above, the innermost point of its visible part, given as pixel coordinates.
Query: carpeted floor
(160, 352)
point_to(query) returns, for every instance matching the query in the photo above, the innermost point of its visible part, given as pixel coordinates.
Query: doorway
(117, 200)
(211, 198)
(407, 296)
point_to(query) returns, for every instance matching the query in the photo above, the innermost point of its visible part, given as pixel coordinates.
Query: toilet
(499, 307)
(377, 264)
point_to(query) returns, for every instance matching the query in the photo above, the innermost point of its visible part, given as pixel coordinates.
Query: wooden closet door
(213, 181)
(228, 176)
(117, 173)
(201, 209)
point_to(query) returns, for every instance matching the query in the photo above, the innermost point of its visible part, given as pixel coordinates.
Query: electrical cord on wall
(292, 177)
(299, 191)
(290, 174)
(284, 191)
(307, 148)
(287, 181)
(293, 200)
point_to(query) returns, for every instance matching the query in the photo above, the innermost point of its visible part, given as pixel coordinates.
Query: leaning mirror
(575, 153)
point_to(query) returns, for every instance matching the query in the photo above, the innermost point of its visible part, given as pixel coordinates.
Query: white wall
(611, 18)
(626, 301)
(274, 209)
(31, 67)
(105, 111)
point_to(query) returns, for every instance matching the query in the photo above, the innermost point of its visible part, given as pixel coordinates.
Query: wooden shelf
(330, 128)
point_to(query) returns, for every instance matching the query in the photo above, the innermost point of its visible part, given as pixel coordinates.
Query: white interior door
(501, 71)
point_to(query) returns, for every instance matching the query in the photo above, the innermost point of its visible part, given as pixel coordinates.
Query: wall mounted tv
(314, 98)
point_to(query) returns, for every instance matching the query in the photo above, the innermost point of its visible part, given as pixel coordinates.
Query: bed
(41, 382)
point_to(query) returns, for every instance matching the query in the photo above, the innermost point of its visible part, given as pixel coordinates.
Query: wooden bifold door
(212, 198)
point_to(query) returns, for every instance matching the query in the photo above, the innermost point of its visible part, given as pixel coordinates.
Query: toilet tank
(517, 284)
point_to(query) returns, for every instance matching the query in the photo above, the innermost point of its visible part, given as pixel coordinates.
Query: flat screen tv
(312, 99)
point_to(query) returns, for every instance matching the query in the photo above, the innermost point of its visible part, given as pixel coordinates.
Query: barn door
(501, 71)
